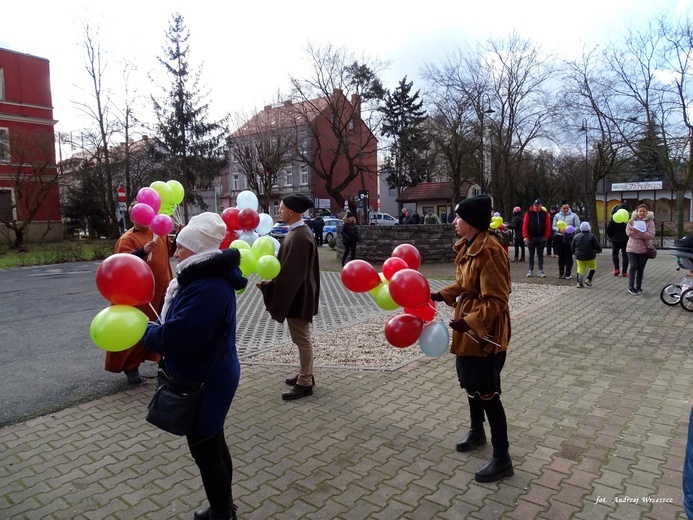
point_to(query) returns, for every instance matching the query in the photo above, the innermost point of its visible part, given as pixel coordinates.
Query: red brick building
(29, 200)
(317, 148)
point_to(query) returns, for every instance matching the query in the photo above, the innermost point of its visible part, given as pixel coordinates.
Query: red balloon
(360, 276)
(248, 219)
(392, 265)
(230, 218)
(425, 312)
(409, 254)
(409, 288)
(403, 330)
(125, 279)
(228, 238)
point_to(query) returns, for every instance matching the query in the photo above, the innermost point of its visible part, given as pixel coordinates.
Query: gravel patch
(363, 345)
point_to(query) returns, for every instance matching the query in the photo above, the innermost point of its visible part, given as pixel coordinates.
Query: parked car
(279, 230)
(383, 219)
(332, 227)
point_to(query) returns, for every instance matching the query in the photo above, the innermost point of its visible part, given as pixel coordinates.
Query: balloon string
(154, 311)
(149, 256)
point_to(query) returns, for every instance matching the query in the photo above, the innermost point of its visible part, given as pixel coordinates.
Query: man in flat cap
(294, 294)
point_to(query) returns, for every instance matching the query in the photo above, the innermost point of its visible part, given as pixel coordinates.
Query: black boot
(500, 467)
(475, 437)
(205, 513)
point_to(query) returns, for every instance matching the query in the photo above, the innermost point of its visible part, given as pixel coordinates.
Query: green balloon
(375, 290)
(263, 246)
(267, 267)
(177, 191)
(118, 327)
(240, 244)
(240, 291)
(383, 298)
(164, 192)
(247, 261)
(621, 216)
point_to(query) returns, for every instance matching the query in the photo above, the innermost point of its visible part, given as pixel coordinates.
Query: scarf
(173, 287)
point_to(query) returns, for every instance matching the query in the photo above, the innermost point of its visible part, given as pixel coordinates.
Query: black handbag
(651, 252)
(175, 405)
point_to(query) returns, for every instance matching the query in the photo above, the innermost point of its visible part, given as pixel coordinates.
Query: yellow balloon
(177, 191)
(495, 224)
(561, 224)
(118, 327)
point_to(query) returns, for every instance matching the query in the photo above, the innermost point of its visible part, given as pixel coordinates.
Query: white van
(383, 219)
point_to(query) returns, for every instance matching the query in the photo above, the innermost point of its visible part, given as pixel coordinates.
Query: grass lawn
(56, 253)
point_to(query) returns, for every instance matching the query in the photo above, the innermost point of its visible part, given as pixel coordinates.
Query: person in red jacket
(536, 230)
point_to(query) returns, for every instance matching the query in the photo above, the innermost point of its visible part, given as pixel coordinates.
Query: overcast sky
(249, 48)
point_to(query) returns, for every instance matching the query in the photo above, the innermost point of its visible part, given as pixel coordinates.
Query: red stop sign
(121, 194)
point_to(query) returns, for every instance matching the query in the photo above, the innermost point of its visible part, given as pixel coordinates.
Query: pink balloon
(161, 225)
(142, 214)
(149, 197)
(409, 288)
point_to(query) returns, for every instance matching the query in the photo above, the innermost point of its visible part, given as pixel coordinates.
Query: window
(275, 208)
(288, 178)
(351, 123)
(5, 205)
(391, 192)
(236, 182)
(2, 84)
(4, 145)
(304, 174)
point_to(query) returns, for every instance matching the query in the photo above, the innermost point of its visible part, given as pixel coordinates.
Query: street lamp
(587, 199)
(487, 110)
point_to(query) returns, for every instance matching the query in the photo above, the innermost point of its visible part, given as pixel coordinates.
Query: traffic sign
(121, 194)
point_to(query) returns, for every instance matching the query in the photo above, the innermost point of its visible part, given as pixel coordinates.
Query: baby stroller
(681, 292)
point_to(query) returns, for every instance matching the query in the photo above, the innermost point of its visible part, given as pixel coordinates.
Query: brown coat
(160, 264)
(483, 287)
(295, 292)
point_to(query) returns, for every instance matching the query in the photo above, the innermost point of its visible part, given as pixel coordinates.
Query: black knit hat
(298, 202)
(475, 211)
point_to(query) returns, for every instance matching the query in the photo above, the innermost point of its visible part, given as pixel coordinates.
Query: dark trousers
(536, 244)
(565, 254)
(549, 246)
(615, 249)
(637, 264)
(519, 247)
(349, 247)
(318, 237)
(212, 457)
(494, 411)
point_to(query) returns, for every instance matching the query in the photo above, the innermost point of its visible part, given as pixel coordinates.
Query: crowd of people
(194, 336)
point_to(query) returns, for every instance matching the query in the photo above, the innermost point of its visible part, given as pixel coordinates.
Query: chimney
(356, 103)
(268, 107)
(287, 103)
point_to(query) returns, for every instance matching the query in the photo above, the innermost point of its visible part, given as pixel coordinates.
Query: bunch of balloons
(155, 205)
(563, 227)
(126, 281)
(621, 216)
(497, 222)
(258, 258)
(401, 285)
(244, 222)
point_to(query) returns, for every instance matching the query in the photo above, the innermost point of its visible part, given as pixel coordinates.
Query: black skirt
(480, 376)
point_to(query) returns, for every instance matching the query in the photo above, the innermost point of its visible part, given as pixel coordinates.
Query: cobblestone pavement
(597, 389)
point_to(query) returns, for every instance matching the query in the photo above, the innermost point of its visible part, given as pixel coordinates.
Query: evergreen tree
(403, 116)
(193, 146)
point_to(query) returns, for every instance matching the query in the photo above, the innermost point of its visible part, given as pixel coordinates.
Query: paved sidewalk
(597, 390)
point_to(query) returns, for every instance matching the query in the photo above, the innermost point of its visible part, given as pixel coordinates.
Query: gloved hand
(436, 297)
(459, 325)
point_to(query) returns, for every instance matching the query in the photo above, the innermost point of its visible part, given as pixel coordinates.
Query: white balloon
(434, 339)
(247, 200)
(276, 246)
(265, 225)
(249, 237)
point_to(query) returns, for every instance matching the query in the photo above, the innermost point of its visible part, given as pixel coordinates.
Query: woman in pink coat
(641, 231)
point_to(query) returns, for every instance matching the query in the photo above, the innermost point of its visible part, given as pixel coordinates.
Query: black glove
(436, 297)
(459, 325)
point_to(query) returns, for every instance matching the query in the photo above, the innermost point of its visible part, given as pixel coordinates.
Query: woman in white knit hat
(197, 338)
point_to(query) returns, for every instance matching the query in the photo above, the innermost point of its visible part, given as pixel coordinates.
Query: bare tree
(33, 181)
(335, 107)
(264, 145)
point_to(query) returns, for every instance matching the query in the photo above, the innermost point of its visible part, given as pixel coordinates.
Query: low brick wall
(434, 242)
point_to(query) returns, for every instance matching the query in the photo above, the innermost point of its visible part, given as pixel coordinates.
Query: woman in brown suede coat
(481, 329)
